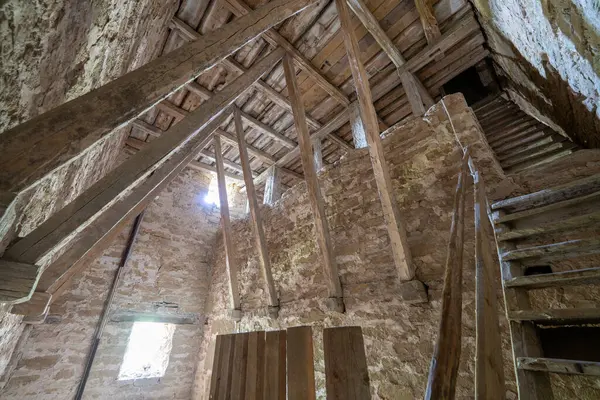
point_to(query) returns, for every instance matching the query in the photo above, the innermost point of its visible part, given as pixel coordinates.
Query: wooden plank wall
(279, 365)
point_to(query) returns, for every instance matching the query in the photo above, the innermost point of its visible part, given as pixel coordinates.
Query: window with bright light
(212, 196)
(148, 350)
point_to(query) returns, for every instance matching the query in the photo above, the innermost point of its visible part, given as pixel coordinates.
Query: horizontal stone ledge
(141, 316)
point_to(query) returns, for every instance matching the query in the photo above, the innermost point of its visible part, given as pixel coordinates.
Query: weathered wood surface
(255, 380)
(581, 187)
(17, 281)
(216, 366)
(555, 251)
(312, 183)
(273, 188)
(165, 155)
(572, 367)
(544, 209)
(275, 365)
(35, 310)
(238, 373)
(240, 8)
(428, 20)
(346, 371)
(558, 316)
(231, 258)
(489, 365)
(443, 371)
(395, 227)
(525, 339)
(35, 148)
(415, 91)
(300, 364)
(588, 276)
(255, 216)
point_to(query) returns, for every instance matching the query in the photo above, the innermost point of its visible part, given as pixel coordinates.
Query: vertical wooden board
(300, 364)
(255, 366)
(225, 368)
(275, 366)
(238, 374)
(214, 379)
(346, 373)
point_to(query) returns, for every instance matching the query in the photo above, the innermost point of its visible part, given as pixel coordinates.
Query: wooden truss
(62, 245)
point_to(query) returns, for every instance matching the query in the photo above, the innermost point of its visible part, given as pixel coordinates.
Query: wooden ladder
(550, 228)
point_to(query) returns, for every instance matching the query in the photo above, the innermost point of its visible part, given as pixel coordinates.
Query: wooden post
(428, 20)
(148, 171)
(314, 193)
(446, 355)
(414, 89)
(359, 135)
(318, 153)
(396, 231)
(230, 252)
(489, 365)
(44, 143)
(257, 225)
(272, 185)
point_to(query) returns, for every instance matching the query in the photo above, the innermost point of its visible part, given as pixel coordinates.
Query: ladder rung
(544, 197)
(558, 224)
(556, 316)
(575, 277)
(559, 366)
(555, 251)
(549, 207)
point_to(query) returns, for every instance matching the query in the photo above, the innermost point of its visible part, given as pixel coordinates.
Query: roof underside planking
(315, 32)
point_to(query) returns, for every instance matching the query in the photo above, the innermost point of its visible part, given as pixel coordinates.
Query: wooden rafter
(189, 34)
(312, 183)
(395, 227)
(74, 126)
(417, 95)
(457, 33)
(231, 259)
(239, 8)
(98, 214)
(255, 217)
(428, 20)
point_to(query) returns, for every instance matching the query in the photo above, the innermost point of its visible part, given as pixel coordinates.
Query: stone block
(335, 304)
(413, 292)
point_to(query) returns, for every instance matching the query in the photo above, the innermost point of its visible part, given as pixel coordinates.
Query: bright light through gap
(148, 350)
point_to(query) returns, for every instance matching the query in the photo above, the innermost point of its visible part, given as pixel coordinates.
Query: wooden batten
(231, 258)
(255, 216)
(17, 281)
(443, 371)
(35, 310)
(239, 8)
(273, 188)
(395, 227)
(151, 168)
(72, 130)
(312, 182)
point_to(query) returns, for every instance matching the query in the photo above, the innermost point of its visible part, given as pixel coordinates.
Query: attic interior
(299, 199)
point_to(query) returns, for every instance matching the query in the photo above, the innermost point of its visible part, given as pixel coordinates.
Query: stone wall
(424, 157)
(548, 52)
(169, 269)
(52, 52)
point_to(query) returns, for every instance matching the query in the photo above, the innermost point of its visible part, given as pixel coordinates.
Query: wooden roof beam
(240, 8)
(108, 204)
(428, 20)
(418, 96)
(395, 225)
(267, 130)
(187, 33)
(37, 147)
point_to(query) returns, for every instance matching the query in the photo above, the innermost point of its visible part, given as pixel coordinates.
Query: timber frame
(268, 124)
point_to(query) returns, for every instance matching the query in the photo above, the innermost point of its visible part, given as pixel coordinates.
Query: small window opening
(212, 196)
(148, 350)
